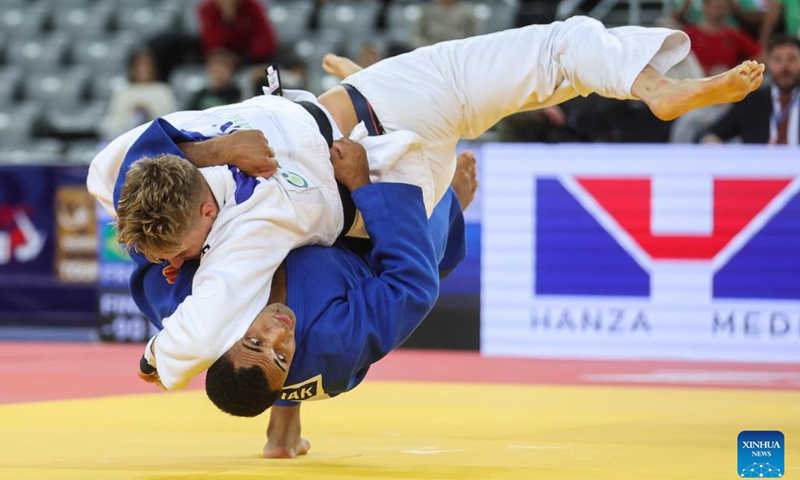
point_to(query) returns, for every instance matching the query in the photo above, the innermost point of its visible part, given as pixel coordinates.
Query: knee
(583, 22)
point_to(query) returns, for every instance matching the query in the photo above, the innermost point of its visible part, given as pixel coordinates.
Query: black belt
(364, 111)
(324, 125)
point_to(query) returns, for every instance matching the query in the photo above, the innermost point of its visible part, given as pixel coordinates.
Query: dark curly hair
(242, 392)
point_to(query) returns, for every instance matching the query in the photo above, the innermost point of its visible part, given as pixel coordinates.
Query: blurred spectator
(582, 119)
(293, 73)
(689, 67)
(174, 48)
(444, 20)
(686, 128)
(745, 14)
(717, 45)
(313, 23)
(240, 26)
(368, 55)
(382, 17)
(790, 9)
(221, 90)
(141, 100)
(772, 114)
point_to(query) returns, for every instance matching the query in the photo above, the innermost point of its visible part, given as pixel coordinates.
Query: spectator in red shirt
(239, 26)
(717, 45)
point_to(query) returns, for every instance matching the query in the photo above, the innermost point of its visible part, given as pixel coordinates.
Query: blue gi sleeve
(378, 315)
(448, 232)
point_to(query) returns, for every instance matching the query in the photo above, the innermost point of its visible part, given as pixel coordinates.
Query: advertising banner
(47, 264)
(119, 320)
(641, 252)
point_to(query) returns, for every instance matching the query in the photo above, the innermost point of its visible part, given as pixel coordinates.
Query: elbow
(428, 291)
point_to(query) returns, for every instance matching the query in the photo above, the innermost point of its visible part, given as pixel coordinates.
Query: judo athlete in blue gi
(333, 311)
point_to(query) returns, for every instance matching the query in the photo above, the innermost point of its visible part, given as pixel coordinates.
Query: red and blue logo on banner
(576, 255)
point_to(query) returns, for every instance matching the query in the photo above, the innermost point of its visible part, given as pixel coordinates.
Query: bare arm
(283, 433)
(247, 150)
(774, 10)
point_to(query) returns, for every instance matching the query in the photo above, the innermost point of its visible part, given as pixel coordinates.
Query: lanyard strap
(779, 117)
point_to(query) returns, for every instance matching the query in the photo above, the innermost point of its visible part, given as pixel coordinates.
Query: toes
(743, 69)
(756, 83)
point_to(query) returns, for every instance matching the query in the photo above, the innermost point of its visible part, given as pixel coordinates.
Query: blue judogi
(352, 309)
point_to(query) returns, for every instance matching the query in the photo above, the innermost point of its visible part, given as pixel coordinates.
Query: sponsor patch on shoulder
(310, 389)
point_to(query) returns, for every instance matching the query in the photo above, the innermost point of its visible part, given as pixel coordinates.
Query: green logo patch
(295, 179)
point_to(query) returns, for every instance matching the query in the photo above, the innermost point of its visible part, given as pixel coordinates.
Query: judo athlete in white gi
(425, 100)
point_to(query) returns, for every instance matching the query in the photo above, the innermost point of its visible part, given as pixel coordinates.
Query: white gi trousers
(460, 89)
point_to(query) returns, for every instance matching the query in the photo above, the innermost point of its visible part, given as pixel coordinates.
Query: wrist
(207, 153)
(356, 185)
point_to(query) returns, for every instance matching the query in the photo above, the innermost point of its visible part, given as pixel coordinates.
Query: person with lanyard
(770, 115)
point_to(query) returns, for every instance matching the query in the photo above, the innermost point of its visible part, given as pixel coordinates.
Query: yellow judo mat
(401, 430)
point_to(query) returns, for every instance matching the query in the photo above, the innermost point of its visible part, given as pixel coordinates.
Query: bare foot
(274, 449)
(339, 67)
(669, 99)
(465, 180)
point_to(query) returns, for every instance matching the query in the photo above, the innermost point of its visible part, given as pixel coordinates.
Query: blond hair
(160, 200)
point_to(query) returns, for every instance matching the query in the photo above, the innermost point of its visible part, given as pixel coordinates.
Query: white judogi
(460, 89)
(426, 100)
(299, 205)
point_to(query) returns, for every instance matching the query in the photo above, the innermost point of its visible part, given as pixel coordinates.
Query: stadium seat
(115, 4)
(401, 16)
(51, 5)
(188, 17)
(56, 90)
(44, 55)
(22, 22)
(81, 152)
(144, 20)
(103, 84)
(17, 126)
(313, 50)
(89, 22)
(79, 120)
(495, 16)
(185, 81)
(38, 151)
(290, 20)
(103, 55)
(10, 79)
(357, 18)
